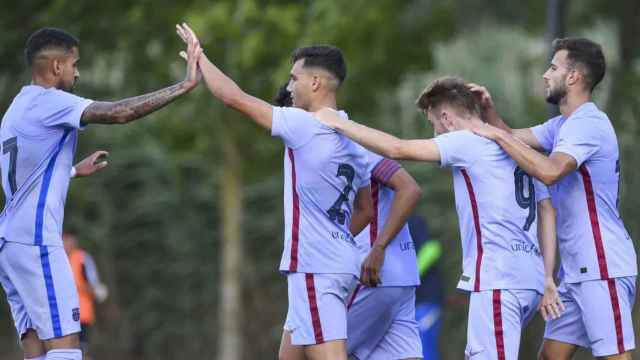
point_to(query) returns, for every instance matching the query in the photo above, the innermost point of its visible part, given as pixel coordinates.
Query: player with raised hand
(497, 204)
(38, 138)
(599, 262)
(327, 197)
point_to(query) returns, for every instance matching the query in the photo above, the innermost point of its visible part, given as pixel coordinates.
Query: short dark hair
(451, 91)
(586, 53)
(283, 97)
(47, 38)
(326, 57)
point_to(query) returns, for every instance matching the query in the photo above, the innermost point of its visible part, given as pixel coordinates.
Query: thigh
(496, 319)
(318, 307)
(402, 338)
(606, 312)
(568, 328)
(43, 281)
(369, 316)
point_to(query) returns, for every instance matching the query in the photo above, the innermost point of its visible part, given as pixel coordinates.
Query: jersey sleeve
(384, 169)
(59, 108)
(546, 132)
(542, 191)
(459, 148)
(579, 137)
(294, 126)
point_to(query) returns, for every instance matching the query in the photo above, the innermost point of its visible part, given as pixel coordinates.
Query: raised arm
(380, 142)
(225, 89)
(130, 109)
(406, 196)
(491, 116)
(548, 169)
(551, 306)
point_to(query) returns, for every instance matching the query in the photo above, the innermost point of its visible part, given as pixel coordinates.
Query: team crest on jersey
(76, 314)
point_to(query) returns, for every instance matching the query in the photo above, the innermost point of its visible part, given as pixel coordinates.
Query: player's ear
(56, 66)
(316, 83)
(573, 76)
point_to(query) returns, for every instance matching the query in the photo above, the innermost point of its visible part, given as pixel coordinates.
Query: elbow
(549, 177)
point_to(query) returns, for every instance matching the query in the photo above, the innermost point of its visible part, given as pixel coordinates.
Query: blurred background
(186, 223)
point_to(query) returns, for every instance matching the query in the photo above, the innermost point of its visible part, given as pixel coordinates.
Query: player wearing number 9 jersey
(497, 205)
(38, 136)
(326, 198)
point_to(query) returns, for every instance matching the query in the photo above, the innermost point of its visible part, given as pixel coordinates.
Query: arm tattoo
(129, 109)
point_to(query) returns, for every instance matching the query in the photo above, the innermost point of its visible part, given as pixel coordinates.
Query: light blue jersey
(400, 267)
(38, 136)
(592, 238)
(323, 171)
(496, 204)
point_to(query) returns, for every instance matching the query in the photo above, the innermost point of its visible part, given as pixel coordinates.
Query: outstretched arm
(491, 116)
(130, 109)
(225, 89)
(379, 141)
(548, 169)
(406, 196)
(551, 306)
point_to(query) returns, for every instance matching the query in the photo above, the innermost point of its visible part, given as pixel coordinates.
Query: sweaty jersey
(38, 136)
(593, 241)
(400, 265)
(323, 171)
(496, 203)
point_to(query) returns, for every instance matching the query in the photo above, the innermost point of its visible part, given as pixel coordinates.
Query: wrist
(73, 172)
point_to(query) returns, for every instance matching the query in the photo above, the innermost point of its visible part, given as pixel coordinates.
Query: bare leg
(623, 356)
(330, 350)
(556, 350)
(32, 346)
(289, 351)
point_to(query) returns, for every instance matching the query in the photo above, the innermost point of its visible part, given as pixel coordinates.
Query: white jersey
(400, 267)
(323, 171)
(496, 204)
(593, 241)
(38, 135)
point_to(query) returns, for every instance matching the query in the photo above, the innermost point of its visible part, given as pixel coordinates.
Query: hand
(328, 117)
(191, 56)
(92, 163)
(370, 270)
(489, 113)
(485, 130)
(551, 306)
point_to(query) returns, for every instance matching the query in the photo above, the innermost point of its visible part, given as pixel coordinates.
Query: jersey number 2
(336, 213)
(526, 200)
(11, 146)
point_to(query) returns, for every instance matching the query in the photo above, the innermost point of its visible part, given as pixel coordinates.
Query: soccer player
(38, 138)
(381, 318)
(323, 172)
(583, 167)
(497, 206)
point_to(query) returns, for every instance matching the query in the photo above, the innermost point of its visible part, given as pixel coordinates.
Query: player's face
(70, 74)
(555, 77)
(300, 85)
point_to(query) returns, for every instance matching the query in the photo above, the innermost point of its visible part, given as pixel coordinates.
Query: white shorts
(597, 315)
(318, 307)
(496, 320)
(381, 324)
(40, 289)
